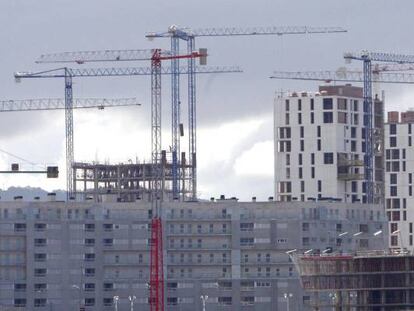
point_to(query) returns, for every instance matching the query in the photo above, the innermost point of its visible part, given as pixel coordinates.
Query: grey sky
(32, 27)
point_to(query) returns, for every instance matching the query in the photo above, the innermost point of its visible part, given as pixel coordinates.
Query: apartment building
(320, 145)
(399, 167)
(61, 256)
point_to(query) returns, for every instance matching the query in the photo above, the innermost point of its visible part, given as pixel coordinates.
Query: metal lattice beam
(185, 33)
(59, 103)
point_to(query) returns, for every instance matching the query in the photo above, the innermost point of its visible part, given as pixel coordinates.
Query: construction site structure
(371, 280)
(69, 73)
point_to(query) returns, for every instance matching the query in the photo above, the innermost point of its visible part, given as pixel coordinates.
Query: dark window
(299, 104)
(318, 130)
(363, 133)
(302, 186)
(312, 118)
(409, 141)
(353, 145)
(312, 158)
(410, 178)
(312, 172)
(319, 142)
(300, 159)
(302, 145)
(393, 179)
(328, 158)
(395, 154)
(327, 103)
(409, 128)
(393, 141)
(327, 117)
(353, 132)
(302, 131)
(388, 154)
(287, 105)
(300, 172)
(319, 185)
(393, 129)
(299, 118)
(312, 104)
(354, 186)
(393, 191)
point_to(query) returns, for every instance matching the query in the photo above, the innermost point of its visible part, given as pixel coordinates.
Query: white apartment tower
(320, 145)
(399, 167)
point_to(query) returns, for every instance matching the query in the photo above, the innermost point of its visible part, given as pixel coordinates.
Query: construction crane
(367, 58)
(82, 57)
(357, 76)
(68, 73)
(12, 105)
(343, 76)
(176, 34)
(57, 104)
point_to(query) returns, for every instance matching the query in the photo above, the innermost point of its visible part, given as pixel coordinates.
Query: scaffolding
(127, 182)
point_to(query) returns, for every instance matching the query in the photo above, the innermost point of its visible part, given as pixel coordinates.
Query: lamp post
(116, 299)
(131, 300)
(333, 297)
(203, 301)
(79, 294)
(287, 296)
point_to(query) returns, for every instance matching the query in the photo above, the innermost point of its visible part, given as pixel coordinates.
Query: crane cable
(20, 158)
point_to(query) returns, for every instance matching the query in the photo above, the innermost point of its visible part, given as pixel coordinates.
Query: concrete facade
(58, 256)
(399, 169)
(320, 145)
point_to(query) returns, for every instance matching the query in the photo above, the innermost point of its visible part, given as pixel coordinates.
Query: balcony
(350, 176)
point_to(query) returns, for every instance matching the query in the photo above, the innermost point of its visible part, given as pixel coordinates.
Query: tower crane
(82, 57)
(69, 73)
(367, 58)
(176, 34)
(42, 104)
(357, 76)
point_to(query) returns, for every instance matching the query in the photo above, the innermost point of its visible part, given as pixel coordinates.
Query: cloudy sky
(235, 148)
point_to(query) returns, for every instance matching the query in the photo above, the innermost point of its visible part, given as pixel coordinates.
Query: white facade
(320, 145)
(399, 167)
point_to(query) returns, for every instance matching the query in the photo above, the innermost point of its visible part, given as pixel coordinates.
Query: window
(40, 302)
(312, 118)
(20, 302)
(353, 132)
(108, 242)
(108, 286)
(342, 117)
(393, 179)
(328, 158)
(312, 104)
(40, 287)
(318, 131)
(305, 226)
(393, 191)
(89, 302)
(39, 272)
(89, 257)
(342, 104)
(393, 141)
(299, 118)
(319, 185)
(319, 144)
(108, 227)
(89, 242)
(107, 302)
(327, 117)
(19, 227)
(89, 272)
(327, 104)
(89, 287)
(302, 131)
(89, 227)
(302, 145)
(40, 242)
(40, 257)
(393, 129)
(312, 172)
(40, 227)
(287, 104)
(20, 287)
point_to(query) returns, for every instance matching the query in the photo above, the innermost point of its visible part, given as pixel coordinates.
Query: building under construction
(128, 182)
(377, 281)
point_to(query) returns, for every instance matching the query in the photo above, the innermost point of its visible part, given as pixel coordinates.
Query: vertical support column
(369, 154)
(175, 115)
(192, 121)
(69, 134)
(156, 268)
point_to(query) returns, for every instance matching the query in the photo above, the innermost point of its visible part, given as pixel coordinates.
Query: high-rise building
(399, 170)
(320, 145)
(64, 256)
